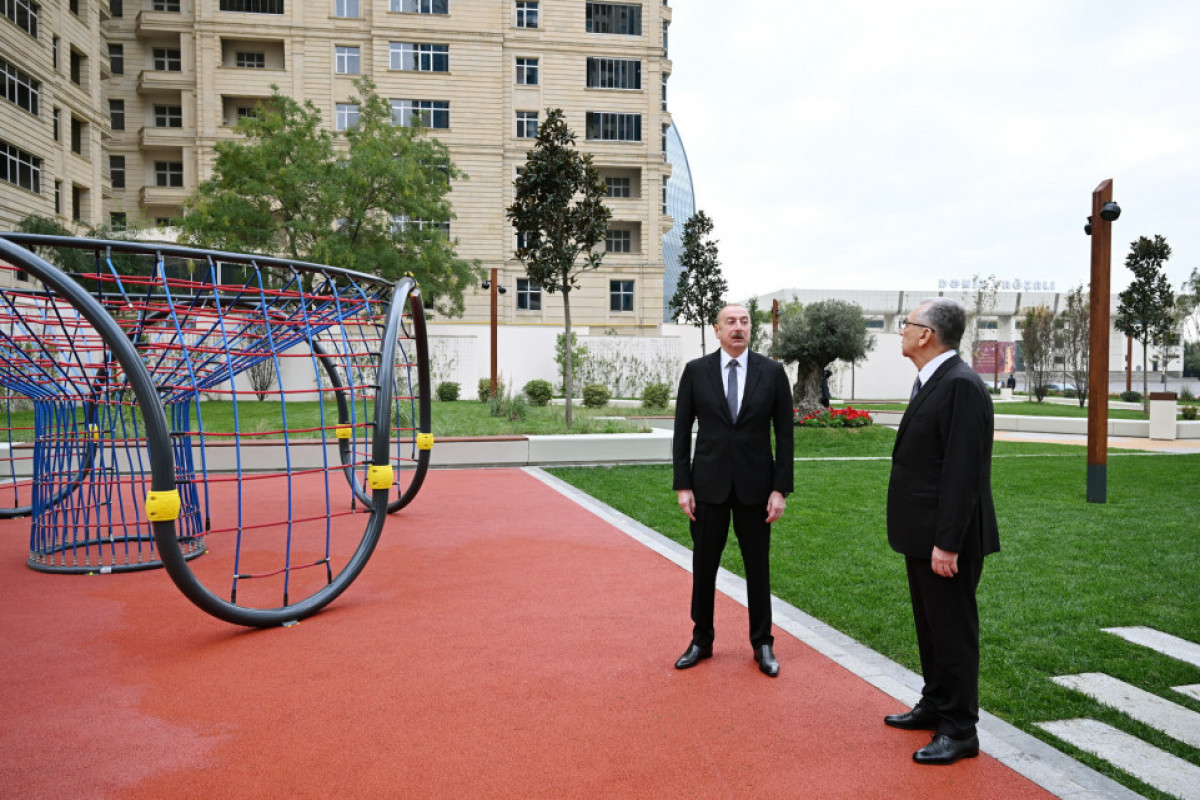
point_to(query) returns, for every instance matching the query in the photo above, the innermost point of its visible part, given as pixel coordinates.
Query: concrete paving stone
(1192, 691)
(1181, 724)
(1164, 643)
(1147, 763)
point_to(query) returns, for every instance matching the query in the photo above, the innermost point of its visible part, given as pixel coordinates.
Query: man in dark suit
(739, 397)
(940, 516)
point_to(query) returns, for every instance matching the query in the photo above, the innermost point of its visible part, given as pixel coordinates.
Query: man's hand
(775, 506)
(944, 562)
(687, 502)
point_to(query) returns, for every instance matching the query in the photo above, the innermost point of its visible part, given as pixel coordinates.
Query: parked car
(1061, 387)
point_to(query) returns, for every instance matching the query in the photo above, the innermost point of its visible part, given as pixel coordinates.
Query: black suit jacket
(940, 492)
(733, 457)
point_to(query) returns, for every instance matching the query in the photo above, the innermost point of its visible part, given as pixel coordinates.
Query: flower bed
(836, 418)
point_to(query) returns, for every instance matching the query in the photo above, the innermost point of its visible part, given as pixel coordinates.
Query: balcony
(159, 22)
(153, 80)
(151, 136)
(250, 82)
(164, 195)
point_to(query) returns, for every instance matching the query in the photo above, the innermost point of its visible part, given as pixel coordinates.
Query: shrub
(595, 395)
(447, 391)
(1186, 395)
(1131, 397)
(1070, 393)
(508, 406)
(539, 392)
(656, 395)
(485, 389)
(1188, 412)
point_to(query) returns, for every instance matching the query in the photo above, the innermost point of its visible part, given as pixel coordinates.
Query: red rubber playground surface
(504, 642)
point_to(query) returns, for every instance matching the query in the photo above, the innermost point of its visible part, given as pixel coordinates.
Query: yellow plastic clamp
(424, 441)
(343, 431)
(379, 477)
(162, 506)
(95, 429)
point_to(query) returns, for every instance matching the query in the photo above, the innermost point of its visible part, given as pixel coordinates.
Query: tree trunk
(1145, 379)
(806, 394)
(703, 347)
(568, 377)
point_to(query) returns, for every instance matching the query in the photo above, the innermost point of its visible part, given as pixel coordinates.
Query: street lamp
(496, 289)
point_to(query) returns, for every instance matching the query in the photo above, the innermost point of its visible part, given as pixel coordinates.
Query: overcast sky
(872, 144)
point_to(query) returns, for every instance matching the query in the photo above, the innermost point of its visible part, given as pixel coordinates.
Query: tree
(1075, 335)
(1037, 348)
(700, 293)
(1146, 312)
(760, 320)
(982, 304)
(814, 336)
(560, 217)
(378, 205)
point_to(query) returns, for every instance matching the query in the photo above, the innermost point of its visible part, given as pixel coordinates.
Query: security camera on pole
(1104, 212)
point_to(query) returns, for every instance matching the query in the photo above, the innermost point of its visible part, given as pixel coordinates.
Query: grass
(1029, 409)
(1068, 569)
(457, 418)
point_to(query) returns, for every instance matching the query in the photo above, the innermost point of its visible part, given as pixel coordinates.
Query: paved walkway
(510, 638)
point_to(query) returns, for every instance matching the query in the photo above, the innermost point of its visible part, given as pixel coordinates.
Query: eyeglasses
(906, 322)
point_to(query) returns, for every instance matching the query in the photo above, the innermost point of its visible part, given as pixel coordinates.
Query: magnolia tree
(1147, 311)
(700, 293)
(814, 336)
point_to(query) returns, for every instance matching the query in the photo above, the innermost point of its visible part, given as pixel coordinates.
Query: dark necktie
(731, 392)
(916, 388)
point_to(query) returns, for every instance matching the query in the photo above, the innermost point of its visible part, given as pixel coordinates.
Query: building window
(116, 171)
(527, 72)
(168, 59)
(116, 59)
(245, 111)
(117, 220)
(167, 5)
(250, 60)
(346, 8)
(58, 197)
(57, 116)
(618, 187)
(666, 25)
(347, 60)
(402, 222)
(664, 91)
(78, 66)
(617, 18)
(20, 168)
(614, 73)
(618, 240)
(527, 124)
(253, 6)
(168, 116)
(78, 134)
(78, 195)
(168, 173)
(116, 8)
(420, 57)
(18, 87)
(527, 14)
(875, 324)
(420, 6)
(529, 295)
(74, 7)
(116, 115)
(23, 14)
(346, 117)
(620, 295)
(611, 127)
(430, 113)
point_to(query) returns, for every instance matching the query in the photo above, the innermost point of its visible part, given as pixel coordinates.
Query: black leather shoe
(694, 655)
(766, 660)
(919, 719)
(944, 750)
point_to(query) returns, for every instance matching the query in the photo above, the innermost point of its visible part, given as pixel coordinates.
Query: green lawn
(1023, 408)
(1068, 568)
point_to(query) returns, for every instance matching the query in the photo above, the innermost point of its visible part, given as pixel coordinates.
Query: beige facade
(183, 70)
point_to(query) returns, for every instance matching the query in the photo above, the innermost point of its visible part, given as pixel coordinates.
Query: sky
(878, 145)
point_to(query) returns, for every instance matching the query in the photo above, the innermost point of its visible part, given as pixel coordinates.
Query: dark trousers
(709, 533)
(947, 621)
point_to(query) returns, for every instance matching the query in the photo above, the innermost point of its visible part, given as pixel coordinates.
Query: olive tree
(814, 336)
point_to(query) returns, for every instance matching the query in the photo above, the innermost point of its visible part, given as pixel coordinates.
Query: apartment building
(110, 110)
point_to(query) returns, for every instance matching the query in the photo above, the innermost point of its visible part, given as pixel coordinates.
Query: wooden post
(495, 332)
(1097, 459)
